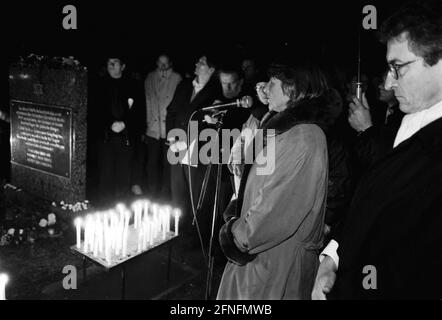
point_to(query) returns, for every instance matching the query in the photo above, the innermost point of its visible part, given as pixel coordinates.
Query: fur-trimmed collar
(321, 111)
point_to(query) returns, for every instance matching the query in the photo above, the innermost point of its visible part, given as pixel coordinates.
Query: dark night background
(140, 29)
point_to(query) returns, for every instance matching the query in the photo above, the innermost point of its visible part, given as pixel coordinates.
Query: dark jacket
(181, 107)
(377, 140)
(395, 223)
(111, 104)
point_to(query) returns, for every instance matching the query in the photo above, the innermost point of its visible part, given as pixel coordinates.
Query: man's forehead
(114, 60)
(227, 77)
(398, 50)
(163, 59)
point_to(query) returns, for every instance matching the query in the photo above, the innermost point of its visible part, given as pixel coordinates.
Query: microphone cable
(192, 202)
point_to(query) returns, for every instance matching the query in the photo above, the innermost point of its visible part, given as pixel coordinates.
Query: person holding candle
(394, 222)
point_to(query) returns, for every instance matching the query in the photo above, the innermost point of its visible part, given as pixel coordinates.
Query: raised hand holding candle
(77, 223)
(3, 281)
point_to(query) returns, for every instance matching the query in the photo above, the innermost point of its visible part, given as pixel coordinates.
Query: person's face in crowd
(115, 68)
(202, 69)
(163, 63)
(231, 84)
(277, 98)
(419, 86)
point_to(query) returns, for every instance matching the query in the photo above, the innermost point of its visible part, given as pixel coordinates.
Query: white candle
(168, 215)
(119, 232)
(146, 205)
(86, 234)
(92, 234)
(177, 214)
(145, 234)
(125, 232)
(135, 207)
(155, 218)
(100, 233)
(77, 223)
(96, 234)
(140, 240)
(112, 229)
(162, 214)
(120, 208)
(150, 230)
(3, 281)
(107, 239)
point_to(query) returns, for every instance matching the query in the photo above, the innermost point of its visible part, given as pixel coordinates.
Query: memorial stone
(48, 109)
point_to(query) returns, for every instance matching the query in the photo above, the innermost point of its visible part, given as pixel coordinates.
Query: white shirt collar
(413, 122)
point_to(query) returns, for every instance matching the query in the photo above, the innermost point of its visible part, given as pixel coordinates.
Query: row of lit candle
(106, 233)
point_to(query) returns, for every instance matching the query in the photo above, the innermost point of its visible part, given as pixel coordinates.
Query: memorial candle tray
(133, 249)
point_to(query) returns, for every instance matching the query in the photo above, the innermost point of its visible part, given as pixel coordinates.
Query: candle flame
(4, 278)
(177, 212)
(78, 221)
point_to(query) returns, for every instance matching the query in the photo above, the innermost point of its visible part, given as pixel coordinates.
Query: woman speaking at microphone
(274, 229)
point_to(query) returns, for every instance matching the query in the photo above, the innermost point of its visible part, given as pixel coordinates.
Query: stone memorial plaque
(41, 137)
(48, 104)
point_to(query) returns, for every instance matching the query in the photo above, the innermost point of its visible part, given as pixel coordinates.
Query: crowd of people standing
(356, 180)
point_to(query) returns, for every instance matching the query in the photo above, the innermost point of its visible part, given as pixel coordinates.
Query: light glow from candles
(78, 221)
(3, 281)
(110, 237)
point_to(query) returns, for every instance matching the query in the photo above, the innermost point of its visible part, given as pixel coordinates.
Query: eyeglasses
(393, 68)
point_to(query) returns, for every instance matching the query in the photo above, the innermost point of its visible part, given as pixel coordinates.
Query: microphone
(244, 102)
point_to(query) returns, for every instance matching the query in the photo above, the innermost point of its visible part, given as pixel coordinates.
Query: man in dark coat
(390, 244)
(117, 123)
(192, 95)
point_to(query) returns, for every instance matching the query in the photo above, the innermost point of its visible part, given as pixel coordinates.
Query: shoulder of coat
(304, 134)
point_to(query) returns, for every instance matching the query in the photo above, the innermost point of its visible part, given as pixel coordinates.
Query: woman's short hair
(301, 81)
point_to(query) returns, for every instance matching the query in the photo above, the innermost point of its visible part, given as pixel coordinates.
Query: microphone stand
(210, 255)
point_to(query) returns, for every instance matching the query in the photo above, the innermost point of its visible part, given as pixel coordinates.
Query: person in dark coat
(192, 95)
(117, 123)
(232, 83)
(390, 244)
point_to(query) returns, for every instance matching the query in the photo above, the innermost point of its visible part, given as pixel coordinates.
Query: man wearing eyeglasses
(390, 246)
